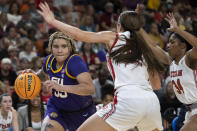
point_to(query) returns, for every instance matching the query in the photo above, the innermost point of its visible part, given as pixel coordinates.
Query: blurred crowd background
(24, 42)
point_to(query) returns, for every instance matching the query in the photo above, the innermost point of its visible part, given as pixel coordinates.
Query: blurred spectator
(31, 115)
(169, 103)
(131, 5)
(161, 13)
(87, 24)
(62, 5)
(107, 96)
(34, 16)
(37, 63)
(4, 23)
(28, 53)
(71, 18)
(14, 56)
(156, 36)
(91, 12)
(153, 4)
(24, 64)
(88, 54)
(99, 83)
(46, 94)
(4, 44)
(14, 13)
(178, 121)
(17, 101)
(108, 18)
(25, 24)
(6, 71)
(98, 6)
(31, 33)
(8, 115)
(12, 34)
(4, 5)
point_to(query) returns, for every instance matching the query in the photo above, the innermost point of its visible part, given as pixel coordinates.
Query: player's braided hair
(61, 35)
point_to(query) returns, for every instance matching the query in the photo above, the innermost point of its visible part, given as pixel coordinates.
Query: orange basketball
(27, 85)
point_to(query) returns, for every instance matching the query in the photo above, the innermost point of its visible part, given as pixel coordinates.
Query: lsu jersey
(127, 74)
(66, 75)
(184, 81)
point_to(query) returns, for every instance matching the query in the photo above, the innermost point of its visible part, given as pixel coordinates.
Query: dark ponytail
(135, 47)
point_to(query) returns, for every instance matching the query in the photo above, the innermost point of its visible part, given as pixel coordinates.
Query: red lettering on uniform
(180, 72)
(176, 73)
(5, 126)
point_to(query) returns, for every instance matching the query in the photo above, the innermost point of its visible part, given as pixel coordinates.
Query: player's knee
(47, 127)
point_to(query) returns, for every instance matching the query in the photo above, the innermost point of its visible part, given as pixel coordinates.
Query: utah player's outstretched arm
(76, 33)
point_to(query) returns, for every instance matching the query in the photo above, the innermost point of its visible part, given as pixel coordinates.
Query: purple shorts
(70, 120)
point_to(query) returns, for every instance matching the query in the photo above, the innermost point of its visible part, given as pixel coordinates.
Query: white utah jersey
(184, 81)
(130, 74)
(5, 124)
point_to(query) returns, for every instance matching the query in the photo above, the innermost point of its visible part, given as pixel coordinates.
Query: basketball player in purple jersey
(66, 110)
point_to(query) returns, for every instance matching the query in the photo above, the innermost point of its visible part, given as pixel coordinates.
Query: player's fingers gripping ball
(27, 85)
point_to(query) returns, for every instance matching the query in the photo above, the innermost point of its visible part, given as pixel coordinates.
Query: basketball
(27, 85)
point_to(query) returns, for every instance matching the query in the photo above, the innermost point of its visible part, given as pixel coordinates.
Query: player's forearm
(155, 80)
(67, 29)
(80, 89)
(191, 39)
(158, 52)
(147, 38)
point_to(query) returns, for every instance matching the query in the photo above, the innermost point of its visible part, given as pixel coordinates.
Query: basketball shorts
(133, 107)
(69, 120)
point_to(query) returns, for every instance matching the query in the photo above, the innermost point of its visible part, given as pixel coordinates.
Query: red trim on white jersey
(112, 68)
(109, 59)
(195, 76)
(114, 42)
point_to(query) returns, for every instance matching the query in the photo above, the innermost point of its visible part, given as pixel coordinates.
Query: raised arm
(74, 32)
(191, 39)
(159, 53)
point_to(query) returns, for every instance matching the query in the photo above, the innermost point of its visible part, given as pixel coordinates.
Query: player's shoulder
(48, 58)
(75, 57)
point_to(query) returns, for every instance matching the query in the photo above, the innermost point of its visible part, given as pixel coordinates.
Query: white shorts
(133, 106)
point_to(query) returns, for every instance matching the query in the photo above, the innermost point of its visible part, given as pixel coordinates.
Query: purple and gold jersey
(66, 75)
